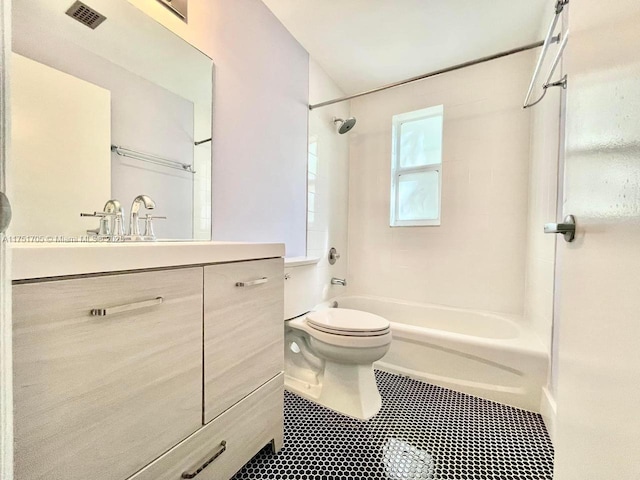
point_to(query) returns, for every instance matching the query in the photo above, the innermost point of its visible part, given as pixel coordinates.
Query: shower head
(345, 125)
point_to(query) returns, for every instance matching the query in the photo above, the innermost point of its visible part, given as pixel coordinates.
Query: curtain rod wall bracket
(560, 6)
(560, 83)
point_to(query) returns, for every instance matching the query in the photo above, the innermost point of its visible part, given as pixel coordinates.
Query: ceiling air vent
(178, 7)
(85, 15)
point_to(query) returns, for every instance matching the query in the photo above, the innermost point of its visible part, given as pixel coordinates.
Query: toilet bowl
(329, 359)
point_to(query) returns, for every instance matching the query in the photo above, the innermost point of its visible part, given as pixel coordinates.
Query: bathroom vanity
(146, 362)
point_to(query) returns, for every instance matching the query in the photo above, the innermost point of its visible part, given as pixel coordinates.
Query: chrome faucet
(134, 226)
(113, 208)
(339, 281)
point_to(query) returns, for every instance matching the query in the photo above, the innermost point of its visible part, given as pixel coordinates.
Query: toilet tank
(300, 290)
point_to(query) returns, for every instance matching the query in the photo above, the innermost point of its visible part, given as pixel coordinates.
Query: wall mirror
(107, 104)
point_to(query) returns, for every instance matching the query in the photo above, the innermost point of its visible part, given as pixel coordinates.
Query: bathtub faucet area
(339, 281)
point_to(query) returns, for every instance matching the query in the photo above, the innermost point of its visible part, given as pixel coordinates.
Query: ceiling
(363, 44)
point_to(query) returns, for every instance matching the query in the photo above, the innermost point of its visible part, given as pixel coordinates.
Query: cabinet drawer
(243, 330)
(245, 428)
(100, 397)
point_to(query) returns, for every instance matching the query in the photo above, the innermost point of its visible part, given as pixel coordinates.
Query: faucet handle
(101, 214)
(333, 256)
(148, 225)
(95, 214)
(115, 228)
(118, 225)
(104, 228)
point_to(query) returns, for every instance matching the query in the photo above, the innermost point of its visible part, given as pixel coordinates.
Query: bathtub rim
(525, 339)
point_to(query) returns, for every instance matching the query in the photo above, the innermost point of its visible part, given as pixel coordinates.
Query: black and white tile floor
(421, 432)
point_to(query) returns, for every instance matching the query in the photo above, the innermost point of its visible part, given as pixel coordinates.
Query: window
(416, 168)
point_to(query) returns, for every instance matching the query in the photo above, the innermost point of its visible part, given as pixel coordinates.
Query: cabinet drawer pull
(252, 282)
(217, 452)
(103, 312)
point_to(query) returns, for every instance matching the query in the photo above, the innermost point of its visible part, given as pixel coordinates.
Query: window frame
(397, 170)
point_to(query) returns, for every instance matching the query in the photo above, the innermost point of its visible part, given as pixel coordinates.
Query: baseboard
(548, 412)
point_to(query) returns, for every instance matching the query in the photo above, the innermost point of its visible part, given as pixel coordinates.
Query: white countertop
(45, 260)
(300, 261)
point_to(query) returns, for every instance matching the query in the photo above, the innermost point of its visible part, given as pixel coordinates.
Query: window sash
(395, 214)
(397, 171)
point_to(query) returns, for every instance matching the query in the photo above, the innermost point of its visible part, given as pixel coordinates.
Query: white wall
(476, 258)
(543, 204)
(543, 189)
(328, 184)
(202, 178)
(61, 133)
(260, 119)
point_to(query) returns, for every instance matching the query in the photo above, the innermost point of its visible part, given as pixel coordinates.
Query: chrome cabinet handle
(251, 283)
(103, 312)
(216, 453)
(567, 228)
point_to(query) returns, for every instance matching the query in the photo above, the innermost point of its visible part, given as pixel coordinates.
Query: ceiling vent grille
(85, 15)
(178, 7)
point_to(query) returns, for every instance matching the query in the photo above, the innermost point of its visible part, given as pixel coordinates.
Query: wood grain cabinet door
(100, 397)
(231, 439)
(243, 330)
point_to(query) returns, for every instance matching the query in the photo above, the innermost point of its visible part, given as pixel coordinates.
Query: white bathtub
(483, 354)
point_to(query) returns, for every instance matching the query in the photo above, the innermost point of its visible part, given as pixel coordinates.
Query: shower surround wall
(476, 258)
(328, 185)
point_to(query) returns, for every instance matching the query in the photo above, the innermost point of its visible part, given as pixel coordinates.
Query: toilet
(329, 352)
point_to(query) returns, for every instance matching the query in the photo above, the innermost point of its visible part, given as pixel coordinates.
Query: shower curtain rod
(531, 46)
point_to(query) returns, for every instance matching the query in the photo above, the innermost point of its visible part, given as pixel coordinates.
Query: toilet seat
(341, 339)
(343, 333)
(346, 322)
